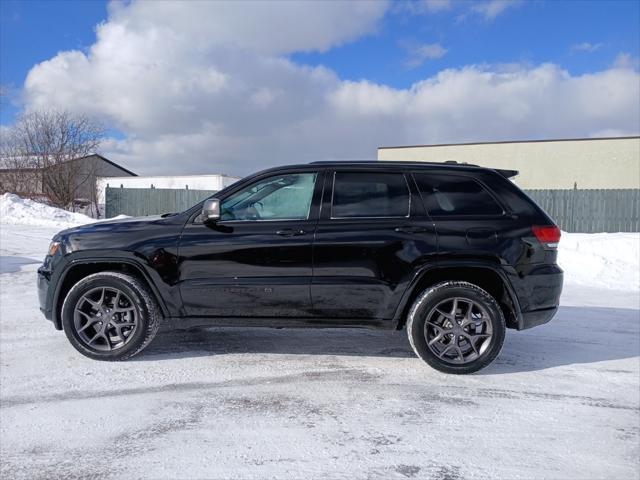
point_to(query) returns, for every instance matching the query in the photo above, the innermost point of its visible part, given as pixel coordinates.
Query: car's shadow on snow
(13, 263)
(578, 335)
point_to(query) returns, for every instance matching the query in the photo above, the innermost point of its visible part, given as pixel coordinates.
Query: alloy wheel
(458, 330)
(105, 318)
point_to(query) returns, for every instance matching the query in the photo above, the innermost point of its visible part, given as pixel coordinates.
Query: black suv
(454, 253)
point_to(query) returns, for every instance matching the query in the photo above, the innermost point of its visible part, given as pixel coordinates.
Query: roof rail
(390, 162)
(504, 172)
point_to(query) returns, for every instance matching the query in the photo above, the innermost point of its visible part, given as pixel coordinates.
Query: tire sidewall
(428, 300)
(105, 280)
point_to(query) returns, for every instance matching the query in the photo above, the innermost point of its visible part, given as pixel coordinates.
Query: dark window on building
(369, 194)
(455, 195)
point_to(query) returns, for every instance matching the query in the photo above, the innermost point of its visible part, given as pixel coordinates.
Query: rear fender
(478, 272)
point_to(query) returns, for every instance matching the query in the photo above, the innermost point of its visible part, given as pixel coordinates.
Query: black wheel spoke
(94, 338)
(441, 354)
(90, 323)
(107, 341)
(471, 342)
(444, 314)
(116, 300)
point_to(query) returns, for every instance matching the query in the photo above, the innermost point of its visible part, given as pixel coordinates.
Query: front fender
(165, 292)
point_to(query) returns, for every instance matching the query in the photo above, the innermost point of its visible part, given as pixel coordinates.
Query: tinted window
(455, 195)
(369, 194)
(281, 197)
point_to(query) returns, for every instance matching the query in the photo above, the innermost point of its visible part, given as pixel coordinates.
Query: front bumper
(44, 284)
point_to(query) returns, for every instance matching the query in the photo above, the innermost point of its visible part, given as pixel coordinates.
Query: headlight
(54, 248)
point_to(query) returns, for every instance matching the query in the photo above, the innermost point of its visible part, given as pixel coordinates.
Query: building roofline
(30, 169)
(500, 142)
(181, 176)
(109, 162)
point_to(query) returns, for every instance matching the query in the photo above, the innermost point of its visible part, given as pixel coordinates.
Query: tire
(466, 348)
(132, 317)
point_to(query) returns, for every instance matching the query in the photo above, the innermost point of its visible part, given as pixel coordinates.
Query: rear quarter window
(447, 195)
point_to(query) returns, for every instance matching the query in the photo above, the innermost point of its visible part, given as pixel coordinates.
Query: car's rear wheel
(456, 327)
(110, 316)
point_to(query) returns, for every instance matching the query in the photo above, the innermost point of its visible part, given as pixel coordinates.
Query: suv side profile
(453, 253)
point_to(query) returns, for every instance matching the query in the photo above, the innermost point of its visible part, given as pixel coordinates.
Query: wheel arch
(486, 276)
(76, 270)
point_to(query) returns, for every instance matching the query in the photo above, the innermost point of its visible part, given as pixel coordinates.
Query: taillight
(548, 235)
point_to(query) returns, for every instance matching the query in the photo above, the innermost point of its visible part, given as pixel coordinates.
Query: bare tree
(43, 147)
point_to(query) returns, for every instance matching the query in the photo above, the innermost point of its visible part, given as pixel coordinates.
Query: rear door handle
(411, 229)
(290, 232)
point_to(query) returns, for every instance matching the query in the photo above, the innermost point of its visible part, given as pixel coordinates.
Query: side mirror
(211, 210)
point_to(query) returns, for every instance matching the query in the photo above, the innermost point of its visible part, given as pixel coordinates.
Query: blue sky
(535, 31)
(34, 31)
(388, 49)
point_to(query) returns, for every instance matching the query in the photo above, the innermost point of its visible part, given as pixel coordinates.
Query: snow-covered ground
(561, 401)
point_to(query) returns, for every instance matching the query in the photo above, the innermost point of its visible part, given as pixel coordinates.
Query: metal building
(586, 184)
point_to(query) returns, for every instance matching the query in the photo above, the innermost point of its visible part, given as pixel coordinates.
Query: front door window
(281, 197)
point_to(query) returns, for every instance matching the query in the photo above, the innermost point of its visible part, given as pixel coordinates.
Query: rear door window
(369, 195)
(446, 195)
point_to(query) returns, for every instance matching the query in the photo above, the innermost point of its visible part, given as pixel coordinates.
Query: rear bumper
(538, 291)
(536, 317)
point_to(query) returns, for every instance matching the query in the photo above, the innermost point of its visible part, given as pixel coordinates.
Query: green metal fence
(585, 211)
(591, 211)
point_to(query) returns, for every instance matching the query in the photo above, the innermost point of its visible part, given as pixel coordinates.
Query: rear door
(468, 217)
(371, 235)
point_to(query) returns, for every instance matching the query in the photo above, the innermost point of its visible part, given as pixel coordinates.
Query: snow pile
(22, 211)
(602, 260)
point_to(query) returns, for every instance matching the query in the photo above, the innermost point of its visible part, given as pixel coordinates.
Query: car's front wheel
(110, 316)
(456, 327)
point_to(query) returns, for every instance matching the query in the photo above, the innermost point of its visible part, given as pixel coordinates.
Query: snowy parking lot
(561, 401)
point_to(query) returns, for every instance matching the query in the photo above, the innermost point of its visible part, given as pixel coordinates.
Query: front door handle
(411, 229)
(290, 232)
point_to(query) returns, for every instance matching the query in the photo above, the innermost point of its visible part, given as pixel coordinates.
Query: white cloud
(422, 7)
(586, 47)
(418, 54)
(274, 27)
(490, 9)
(479, 104)
(626, 60)
(612, 132)
(437, 5)
(196, 89)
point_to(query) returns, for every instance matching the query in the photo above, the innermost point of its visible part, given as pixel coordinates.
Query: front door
(257, 259)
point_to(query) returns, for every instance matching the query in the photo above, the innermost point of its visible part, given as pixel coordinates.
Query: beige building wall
(554, 164)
